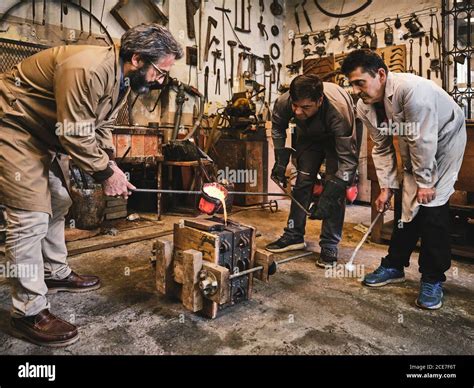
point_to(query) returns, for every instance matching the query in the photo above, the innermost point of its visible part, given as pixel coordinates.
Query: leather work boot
(73, 283)
(45, 329)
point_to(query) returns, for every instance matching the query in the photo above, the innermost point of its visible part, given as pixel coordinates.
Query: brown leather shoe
(73, 283)
(45, 329)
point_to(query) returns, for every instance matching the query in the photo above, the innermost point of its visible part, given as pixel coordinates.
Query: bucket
(88, 207)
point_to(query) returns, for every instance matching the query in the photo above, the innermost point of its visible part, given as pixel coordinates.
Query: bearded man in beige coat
(56, 104)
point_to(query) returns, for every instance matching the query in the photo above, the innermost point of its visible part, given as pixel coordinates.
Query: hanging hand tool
(427, 42)
(224, 11)
(211, 22)
(275, 8)
(335, 33)
(297, 18)
(279, 65)
(217, 55)
(432, 15)
(206, 84)
(218, 83)
(262, 28)
(61, 16)
(410, 68)
(192, 7)
(273, 81)
(388, 35)
(214, 40)
(249, 8)
(420, 58)
(275, 30)
(232, 45)
(241, 28)
(374, 41)
(199, 42)
(242, 56)
(80, 17)
(293, 50)
(261, 4)
(275, 51)
(398, 23)
(306, 16)
(90, 17)
(44, 12)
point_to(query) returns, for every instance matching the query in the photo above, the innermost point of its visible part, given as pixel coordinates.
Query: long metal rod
(259, 268)
(299, 204)
(163, 191)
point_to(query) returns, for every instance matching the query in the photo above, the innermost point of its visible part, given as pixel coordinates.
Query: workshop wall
(378, 10)
(177, 24)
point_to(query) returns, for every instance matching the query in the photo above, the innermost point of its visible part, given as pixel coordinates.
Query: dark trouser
(309, 157)
(431, 224)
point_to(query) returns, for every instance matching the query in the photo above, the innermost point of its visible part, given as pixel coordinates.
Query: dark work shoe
(382, 276)
(327, 258)
(73, 283)
(45, 329)
(285, 244)
(430, 296)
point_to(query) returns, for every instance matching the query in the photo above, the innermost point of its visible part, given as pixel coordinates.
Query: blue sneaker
(382, 276)
(431, 296)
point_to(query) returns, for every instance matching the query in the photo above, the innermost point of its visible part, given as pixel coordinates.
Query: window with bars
(458, 61)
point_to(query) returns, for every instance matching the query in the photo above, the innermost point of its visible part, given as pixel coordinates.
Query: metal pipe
(259, 268)
(164, 191)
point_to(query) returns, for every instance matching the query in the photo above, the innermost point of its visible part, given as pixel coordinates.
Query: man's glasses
(161, 73)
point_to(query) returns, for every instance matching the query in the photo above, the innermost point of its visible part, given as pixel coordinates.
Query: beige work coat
(432, 138)
(60, 100)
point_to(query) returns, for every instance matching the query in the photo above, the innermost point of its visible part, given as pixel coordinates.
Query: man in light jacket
(56, 104)
(325, 121)
(431, 133)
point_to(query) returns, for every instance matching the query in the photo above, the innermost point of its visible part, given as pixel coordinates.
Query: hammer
(232, 44)
(211, 22)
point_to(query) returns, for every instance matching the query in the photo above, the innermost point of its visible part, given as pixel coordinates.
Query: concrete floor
(301, 311)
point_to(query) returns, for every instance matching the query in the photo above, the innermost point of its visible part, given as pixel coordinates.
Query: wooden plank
(209, 309)
(207, 243)
(112, 201)
(205, 225)
(222, 274)
(116, 215)
(191, 294)
(178, 270)
(265, 259)
(189, 238)
(115, 209)
(164, 267)
(73, 234)
(104, 242)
